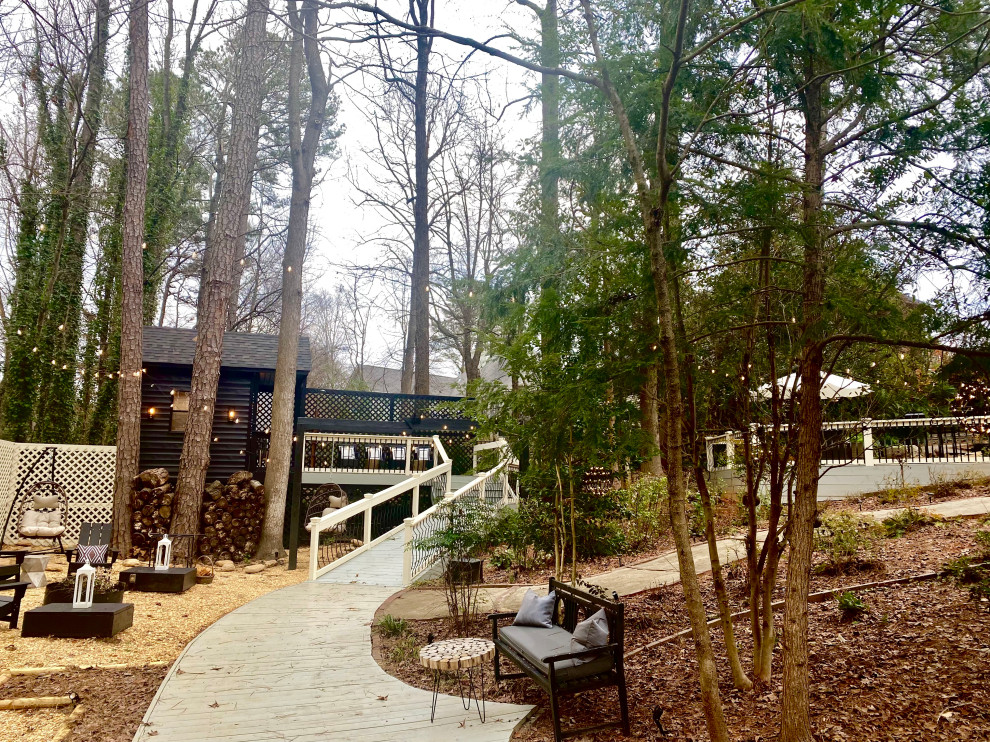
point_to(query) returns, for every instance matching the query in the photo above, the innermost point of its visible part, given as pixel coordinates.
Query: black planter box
(62, 620)
(63, 594)
(151, 580)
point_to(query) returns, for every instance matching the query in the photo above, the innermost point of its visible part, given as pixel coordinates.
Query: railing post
(868, 443)
(367, 521)
(409, 449)
(415, 501)
(407, 535)
(314, 547)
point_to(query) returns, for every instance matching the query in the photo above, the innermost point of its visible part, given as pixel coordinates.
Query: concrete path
(296, 664)
(972, 507)
(662, 570)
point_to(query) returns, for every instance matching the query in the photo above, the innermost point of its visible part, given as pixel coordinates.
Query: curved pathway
(296, 664)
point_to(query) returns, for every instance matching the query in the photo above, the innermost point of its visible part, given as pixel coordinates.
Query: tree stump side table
(454, 655)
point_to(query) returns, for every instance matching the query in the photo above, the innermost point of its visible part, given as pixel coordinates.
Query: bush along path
(416, 604)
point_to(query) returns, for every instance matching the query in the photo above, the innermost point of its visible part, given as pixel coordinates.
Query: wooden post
(314, 548)
(407, 535)
(408, 456)
(415, 501)
(868, 443)
(295, 512)
(367, 521)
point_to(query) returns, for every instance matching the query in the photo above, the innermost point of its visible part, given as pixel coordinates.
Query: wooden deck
(296, 665)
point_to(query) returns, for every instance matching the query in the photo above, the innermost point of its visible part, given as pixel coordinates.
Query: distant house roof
(240, 349)
(389, 380)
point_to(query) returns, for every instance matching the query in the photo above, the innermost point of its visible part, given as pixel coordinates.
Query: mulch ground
(114, 700)
(914, 666)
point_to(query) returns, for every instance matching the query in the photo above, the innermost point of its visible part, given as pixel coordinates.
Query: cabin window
(180, 411)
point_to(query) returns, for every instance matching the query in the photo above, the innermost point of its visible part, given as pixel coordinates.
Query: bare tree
(219, 273)
(132, 263)
(303, 150)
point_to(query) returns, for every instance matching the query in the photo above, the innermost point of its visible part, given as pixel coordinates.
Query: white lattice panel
(85, 472)
(8, 478)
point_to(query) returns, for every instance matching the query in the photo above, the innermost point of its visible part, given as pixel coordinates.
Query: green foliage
(972, 574)
(844, 539)
(906, 521)
(851, 605)
(648, 508)
(404, 650)
(391, 626)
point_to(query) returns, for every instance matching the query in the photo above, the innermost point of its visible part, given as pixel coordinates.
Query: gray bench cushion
(536, 643)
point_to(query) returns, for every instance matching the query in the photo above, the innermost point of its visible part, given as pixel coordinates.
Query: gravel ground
(163, 625)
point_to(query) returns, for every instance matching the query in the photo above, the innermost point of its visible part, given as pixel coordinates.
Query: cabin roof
(247, 350)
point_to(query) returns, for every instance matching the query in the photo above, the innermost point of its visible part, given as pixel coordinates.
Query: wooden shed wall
(160, 447)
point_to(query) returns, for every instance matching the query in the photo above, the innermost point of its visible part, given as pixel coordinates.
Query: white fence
(344, 453)
(924, 440)
(85, 472)
(332, 536)
(491, 487)
(338, 537)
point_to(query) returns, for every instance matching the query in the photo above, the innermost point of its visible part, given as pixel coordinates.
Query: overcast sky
(341, 226)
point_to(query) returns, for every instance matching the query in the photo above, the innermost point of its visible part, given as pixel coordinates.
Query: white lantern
(163, 553)
(82, 595)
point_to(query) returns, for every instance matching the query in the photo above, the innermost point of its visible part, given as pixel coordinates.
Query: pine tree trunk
(220, 258)
(131, 320)
(303, 149)
(649, 410)
(795, 705)
(420, 285)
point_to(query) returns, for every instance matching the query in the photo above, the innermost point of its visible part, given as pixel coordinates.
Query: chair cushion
(42, 523)
(535, 610)
(536, 643)
(44, 502)
(590, 633)
(94, 554)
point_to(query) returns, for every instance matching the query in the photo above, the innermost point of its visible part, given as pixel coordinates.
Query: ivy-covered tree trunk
(59, 343)
(220, 258)
(131, 319)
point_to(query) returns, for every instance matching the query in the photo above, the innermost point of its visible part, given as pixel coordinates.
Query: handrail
(411, 571)
(365, 506)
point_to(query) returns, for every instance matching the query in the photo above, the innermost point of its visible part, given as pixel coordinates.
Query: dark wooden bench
(10, 607)
(544, 654)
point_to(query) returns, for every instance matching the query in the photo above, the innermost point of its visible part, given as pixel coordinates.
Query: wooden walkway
(380, 565)
(296, 665)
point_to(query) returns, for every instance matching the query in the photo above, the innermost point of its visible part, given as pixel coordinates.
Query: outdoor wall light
(151, 412)
(231, 415)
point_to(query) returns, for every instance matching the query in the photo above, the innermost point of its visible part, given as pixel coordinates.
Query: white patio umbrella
(833, 387)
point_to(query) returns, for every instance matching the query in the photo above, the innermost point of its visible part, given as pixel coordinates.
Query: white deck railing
(491, 487)
(339, 452)
(923, 440)
(333, 539)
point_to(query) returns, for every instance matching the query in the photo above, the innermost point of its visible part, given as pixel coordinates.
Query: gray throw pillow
(535, 611)
(590, 633)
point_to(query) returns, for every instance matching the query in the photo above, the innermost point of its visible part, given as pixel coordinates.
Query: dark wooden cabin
(243, 405)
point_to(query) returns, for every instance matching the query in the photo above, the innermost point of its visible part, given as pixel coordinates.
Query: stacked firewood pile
(233, 515)
(152, 510)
